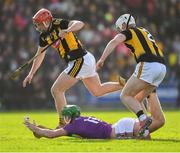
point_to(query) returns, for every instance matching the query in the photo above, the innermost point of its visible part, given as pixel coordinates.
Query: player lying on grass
(93, 128)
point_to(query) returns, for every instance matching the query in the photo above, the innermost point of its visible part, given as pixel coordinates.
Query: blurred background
(19, 40)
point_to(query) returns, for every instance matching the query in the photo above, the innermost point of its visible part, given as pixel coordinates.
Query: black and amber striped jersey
(69, 48)
(142, 45)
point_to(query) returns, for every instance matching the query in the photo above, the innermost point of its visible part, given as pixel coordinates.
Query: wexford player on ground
(93, 128)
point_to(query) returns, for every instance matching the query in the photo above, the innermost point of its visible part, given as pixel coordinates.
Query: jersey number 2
(150, 37)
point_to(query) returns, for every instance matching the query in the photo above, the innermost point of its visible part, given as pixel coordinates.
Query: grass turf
(15, 137)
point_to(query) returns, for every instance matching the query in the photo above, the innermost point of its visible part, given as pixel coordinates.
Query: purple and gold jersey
(89, 127)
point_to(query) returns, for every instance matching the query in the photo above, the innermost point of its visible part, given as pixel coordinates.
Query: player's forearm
(37, 63)
(75, 26)
(45, 132)
(112, 44)
(108, 50)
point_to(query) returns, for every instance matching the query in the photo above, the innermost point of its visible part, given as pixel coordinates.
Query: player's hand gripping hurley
(16, 73)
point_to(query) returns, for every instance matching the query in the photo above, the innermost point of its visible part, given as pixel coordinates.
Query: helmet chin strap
(128, 21)
(48, 26)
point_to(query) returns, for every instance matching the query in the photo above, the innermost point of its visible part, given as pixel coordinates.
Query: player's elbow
(81, 24)
(114, 42)
(118, 39)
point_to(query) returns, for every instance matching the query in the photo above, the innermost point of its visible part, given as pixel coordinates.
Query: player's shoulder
(62, 23)
(139, 28)
(78, 118)
(56, 21)
(77, 121)
(133, 28)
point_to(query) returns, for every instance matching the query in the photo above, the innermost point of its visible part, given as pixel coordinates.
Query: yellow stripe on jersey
(136, 44)
(71, 41)
(61, 50)
(49, 40)
(150, 44)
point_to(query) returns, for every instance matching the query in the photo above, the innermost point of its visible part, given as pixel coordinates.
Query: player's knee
(123, 97)
(96, 93)
(55, 90)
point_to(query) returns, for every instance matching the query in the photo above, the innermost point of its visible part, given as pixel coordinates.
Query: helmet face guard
(66, 119)
(39, 26)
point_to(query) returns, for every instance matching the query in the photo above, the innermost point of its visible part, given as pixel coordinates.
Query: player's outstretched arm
(109, 48)
(35, 66)
(47, 133)
(37, 62)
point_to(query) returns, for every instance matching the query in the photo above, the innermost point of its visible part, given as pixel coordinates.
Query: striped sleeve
(128, 34)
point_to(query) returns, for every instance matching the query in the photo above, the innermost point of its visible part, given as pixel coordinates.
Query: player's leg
(141, 98)
(91, 80)
(156, 112)
(62, 83)
(147, 77)
(94, 85)
(154, 108)
(131, 89)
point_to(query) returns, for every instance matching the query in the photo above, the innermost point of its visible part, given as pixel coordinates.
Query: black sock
(141, 116)
(139, 113)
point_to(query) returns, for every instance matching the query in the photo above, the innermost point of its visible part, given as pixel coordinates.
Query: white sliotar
(26, 118)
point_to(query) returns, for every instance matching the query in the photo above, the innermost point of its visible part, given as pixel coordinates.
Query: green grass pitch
(15, 137)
